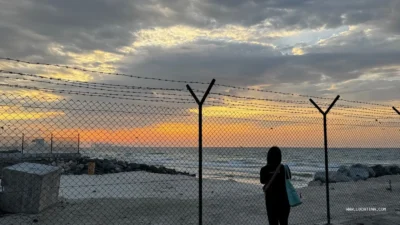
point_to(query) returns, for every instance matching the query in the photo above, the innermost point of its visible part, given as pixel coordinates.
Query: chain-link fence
(101, 162)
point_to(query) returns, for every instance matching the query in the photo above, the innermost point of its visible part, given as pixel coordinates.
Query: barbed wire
(300, 95)
(92, 83)
(72, 83)
(302, 122)
(102, 89)
(85, 102)
(93, 94)
(208, 113)
(299, 111)
(121, 91)
(294, 112)
(98, 110)
(188, 82)
(102, 72)
(185, 101)
(246, 109)
(337, 106)
(262, 99)
(259, 105)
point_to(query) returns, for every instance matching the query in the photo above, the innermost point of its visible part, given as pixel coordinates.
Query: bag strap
(287, 172)
(272, 179)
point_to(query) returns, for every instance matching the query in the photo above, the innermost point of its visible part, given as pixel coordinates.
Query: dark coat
(276, 195)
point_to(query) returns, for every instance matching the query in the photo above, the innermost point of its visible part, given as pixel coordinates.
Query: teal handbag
(294, 199)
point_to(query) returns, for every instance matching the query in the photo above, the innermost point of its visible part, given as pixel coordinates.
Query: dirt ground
(386, 219)
(224, 203)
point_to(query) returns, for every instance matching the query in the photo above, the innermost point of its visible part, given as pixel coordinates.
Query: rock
(73, 167)
(143, 167)
(315, 183)
(79, 169)
(392, 170)
(133, 167)
(334, 177)
(387, 170)
(123, 164)
(119, 169)
(83, 160)
(99, 163)
(108, 167)
(343, 174)
(371, 172)
(154, 169)
(359, 172)
(344, 170)
(163, 170)
(105, 166)
(342, 178)
(170, 171)
(379, 170)
(54, 163)
(98, 171)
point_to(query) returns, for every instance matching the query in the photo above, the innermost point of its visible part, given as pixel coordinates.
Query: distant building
(39, 145)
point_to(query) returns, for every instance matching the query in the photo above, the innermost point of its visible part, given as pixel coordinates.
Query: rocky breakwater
(109, 166)
(355, 172)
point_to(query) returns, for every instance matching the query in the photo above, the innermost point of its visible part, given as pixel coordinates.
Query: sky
(310, 47)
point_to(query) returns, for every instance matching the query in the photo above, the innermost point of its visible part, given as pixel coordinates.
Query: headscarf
(274, 157)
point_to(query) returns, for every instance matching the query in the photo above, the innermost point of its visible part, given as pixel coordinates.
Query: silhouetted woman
(276, 199)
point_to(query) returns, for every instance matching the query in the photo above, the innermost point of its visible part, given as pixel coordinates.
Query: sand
(148, 198)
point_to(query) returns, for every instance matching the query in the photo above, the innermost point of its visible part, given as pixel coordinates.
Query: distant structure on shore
(39, 145)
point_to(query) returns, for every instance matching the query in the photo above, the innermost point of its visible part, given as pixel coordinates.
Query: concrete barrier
(29, 187)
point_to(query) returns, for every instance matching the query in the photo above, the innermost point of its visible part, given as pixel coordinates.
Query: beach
(148, 198)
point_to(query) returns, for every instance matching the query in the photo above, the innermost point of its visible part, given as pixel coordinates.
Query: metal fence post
(22, 144)
(326, 154)
(200, 104)
(51, 143)
(78, 142)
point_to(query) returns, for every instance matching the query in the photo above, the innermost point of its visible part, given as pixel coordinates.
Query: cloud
(297, 51)
(304, 14)
(110, 25)
(232, 41)
(179, 35)
(204, 60)
(358, 39)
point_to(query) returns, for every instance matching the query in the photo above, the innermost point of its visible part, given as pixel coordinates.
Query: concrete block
(29, 187)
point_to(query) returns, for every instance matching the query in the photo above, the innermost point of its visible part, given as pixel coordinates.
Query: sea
(244, 164)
